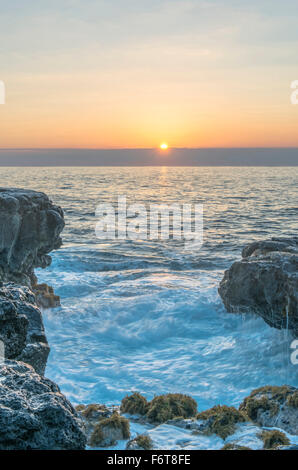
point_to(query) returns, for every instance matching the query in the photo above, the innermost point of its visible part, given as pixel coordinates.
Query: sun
(164, 146)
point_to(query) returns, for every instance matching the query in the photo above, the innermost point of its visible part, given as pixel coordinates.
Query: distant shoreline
(175, 157)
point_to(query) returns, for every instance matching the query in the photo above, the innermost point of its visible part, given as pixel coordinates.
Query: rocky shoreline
(34, 414)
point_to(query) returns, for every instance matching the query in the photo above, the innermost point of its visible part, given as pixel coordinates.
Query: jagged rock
(265, 282)
(34, 414)
(21, 327)
(30, 229)
(273, 406)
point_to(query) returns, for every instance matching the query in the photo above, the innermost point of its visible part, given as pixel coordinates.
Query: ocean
(146, 315)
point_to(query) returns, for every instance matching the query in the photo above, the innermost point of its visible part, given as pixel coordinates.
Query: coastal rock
(273, 406)
(160, 409)
(92, 414)
(30, 230)
(34, 414)
(21, 327)
(273, 439)
(222, 420)
(109, 430)
(140, 442)
(265, 282)
(104, 425)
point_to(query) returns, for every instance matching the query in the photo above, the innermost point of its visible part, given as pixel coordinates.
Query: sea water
(146, 316)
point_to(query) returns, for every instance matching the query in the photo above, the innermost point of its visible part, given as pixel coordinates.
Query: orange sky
(186, 73)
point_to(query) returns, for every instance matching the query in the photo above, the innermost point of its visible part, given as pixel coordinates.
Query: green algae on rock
(172, 405)
(141, 442)
(273, 406)
(232, 446)
(273, 439)
(134, 404)
(222, 420)
(161, 408)
(109, 430)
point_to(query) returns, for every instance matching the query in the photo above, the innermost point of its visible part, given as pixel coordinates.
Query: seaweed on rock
(273, 439)
(107, 431)
(172, 405)
(134, 404)
(141, 442)
(222, 420)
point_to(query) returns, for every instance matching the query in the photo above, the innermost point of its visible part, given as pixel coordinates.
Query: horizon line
(149, 148)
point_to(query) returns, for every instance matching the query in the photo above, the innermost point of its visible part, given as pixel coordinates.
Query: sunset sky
(135, 73)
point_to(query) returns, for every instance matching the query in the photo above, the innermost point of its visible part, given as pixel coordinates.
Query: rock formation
(273, 406)
(34, 414)
(30, 230)
(21, 327)
(265, 282)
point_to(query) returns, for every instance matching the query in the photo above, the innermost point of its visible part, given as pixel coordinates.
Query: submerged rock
(265, 282)
(30, 230)
(34, 414)
(273, 406)
(21, 327)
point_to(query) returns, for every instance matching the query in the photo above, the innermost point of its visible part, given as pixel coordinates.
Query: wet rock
(265, 282)
(222, 420)
(195, 425)
(30, 229)
(92, 414)
(273, 406)
(34, 414)
(21, 327)
(273, 439)
(108, 431)
(141, 442)
(233, 446)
